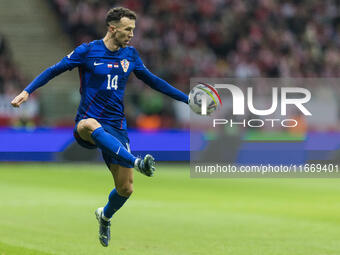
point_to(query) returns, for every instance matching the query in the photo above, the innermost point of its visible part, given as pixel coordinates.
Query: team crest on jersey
(125, 64)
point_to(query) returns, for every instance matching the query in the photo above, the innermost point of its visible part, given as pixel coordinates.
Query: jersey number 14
(112, 83)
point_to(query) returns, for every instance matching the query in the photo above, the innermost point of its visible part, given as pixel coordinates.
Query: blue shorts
(119, 134)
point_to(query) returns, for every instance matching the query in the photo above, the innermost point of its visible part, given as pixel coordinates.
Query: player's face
(123, 33)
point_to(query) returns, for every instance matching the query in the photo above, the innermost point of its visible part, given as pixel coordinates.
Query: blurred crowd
(13, 82)
(179, 39)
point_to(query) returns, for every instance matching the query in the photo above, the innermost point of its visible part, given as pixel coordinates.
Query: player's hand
(19, 99)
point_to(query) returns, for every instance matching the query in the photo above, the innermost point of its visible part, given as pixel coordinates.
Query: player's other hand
(19, 99)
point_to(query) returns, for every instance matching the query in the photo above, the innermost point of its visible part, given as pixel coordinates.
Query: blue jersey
(103, 76)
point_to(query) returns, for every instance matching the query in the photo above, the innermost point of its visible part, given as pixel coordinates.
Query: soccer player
(104, 67)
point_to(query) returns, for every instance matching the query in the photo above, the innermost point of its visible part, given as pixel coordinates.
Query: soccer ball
(203, 94)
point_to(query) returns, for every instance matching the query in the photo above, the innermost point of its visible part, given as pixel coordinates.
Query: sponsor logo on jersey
(97, 64)
(125, 64)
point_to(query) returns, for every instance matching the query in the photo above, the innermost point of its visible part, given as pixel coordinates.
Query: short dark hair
(115, 14)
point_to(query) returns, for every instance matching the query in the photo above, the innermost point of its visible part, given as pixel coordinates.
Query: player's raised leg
(91, 131)
(123, 178)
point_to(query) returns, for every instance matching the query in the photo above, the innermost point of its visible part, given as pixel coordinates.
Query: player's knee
(88, 125)
(125, 190)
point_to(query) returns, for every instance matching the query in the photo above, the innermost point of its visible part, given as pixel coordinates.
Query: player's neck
(110, 43)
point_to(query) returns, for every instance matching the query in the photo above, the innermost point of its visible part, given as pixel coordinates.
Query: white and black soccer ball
(206, 95)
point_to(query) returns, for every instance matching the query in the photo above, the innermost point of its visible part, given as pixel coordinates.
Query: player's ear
(112, 28)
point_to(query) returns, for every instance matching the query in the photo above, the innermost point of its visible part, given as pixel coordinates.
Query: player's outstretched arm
(157, 83)
(19, 99)
(39, 81)
(74, 59)
(161, 85)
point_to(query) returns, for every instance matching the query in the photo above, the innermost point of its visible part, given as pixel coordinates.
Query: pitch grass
(49, 209)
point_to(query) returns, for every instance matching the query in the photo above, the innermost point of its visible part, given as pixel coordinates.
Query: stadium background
(177, 40)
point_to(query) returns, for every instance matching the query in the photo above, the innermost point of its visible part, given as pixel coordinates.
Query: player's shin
(115, 202)
(111, 145)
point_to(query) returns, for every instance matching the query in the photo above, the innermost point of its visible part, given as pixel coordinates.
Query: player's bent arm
(160, 85)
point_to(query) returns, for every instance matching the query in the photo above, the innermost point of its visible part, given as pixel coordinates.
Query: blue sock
(115, 202)
(111, 145)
